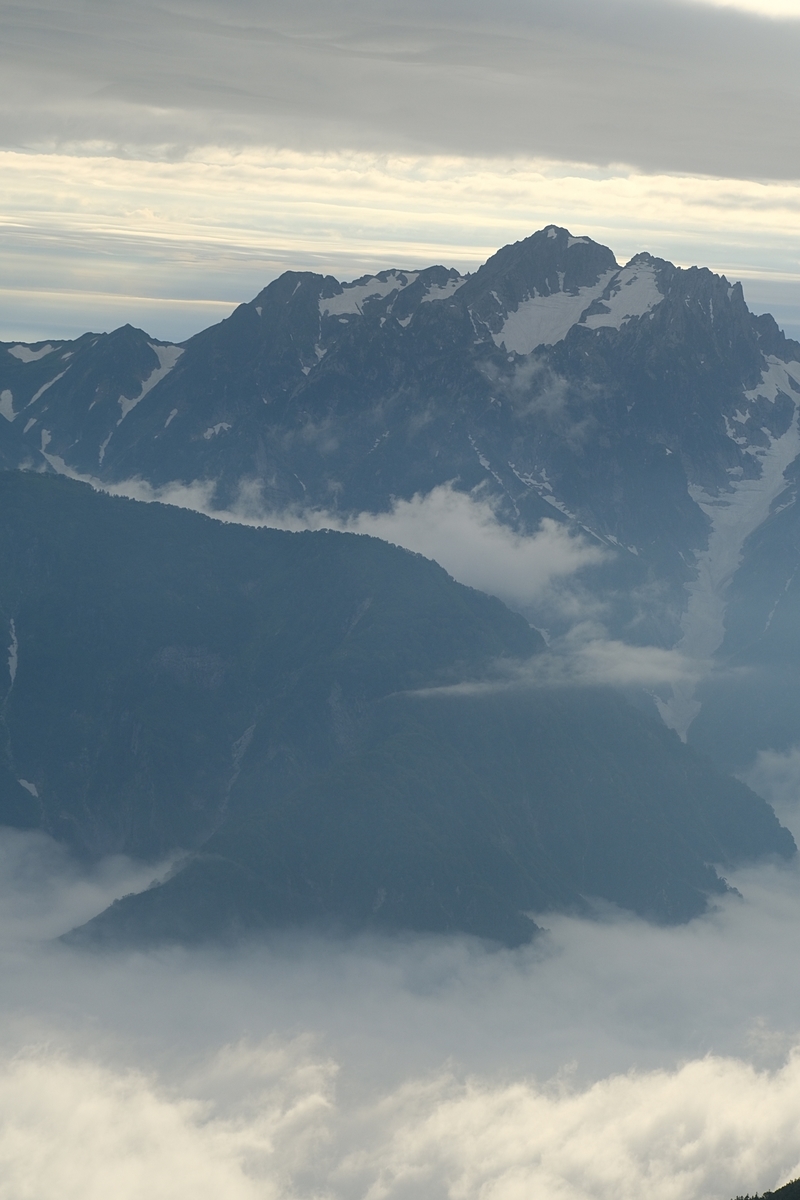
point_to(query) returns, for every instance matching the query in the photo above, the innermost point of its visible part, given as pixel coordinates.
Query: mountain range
(642, 407)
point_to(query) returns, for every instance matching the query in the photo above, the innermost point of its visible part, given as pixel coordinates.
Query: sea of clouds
(610, 1059)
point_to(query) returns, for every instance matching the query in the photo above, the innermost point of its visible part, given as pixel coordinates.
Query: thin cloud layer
(586, 656)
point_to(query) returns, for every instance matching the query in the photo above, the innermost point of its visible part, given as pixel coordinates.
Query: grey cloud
(663, 86)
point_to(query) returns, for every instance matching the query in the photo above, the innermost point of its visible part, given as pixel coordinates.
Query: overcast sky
(160, 161)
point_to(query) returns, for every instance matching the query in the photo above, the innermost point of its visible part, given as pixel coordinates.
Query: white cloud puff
(462, 533)
(71, 1129)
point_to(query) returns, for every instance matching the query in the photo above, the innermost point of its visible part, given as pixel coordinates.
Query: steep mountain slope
(283, 706)
(643, 405)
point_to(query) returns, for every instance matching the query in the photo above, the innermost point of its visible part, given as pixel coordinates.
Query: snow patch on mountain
(354, 295)
(734, 515)
(167, 358)
(545, 320)
(26, 355)
(443, 291)
(633, 293)
(777, 378)
(7, 405)
(45, 386)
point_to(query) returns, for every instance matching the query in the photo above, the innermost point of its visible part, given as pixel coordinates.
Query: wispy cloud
(586, 657)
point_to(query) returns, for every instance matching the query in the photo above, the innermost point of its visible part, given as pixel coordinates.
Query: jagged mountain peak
(550, 260)
(533, 292)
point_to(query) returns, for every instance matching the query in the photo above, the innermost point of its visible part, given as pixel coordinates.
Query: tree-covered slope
(789, 1191)
(283, 707)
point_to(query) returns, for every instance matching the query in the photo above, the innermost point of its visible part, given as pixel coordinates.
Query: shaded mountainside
(642, 405)
(283, 707)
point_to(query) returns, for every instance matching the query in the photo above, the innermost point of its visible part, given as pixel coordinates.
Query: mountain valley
(324, 725)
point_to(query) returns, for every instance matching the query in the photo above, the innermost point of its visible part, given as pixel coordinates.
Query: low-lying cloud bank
(73, 1128)
(609, 1060)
